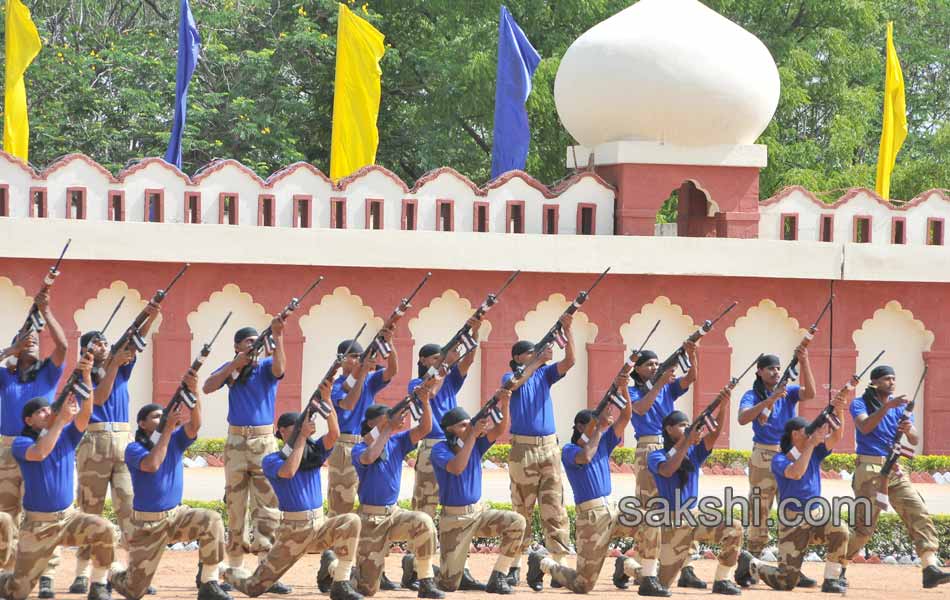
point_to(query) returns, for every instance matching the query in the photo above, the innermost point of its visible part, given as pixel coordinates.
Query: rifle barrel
(649, 335)
(723, 313)
(218, 332)
(418, 287)
(508, 282)
(112, 316)
(62, 254)
(858, 376)
(176, 278)
(821, 315)
(310, 289)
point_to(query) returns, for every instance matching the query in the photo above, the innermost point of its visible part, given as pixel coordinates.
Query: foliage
(263, 91)
(498, 453)
(206, 446)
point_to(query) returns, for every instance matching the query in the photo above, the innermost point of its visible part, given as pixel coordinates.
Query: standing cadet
(534, 463)
(675, 470)
(797, 469)
(303, 528)
(651, 404)
(46, 452)
(353, 391)
(26, 377)
(100, 458)
(158, 517)
(250, 438)
(877, 419)
(425, 491)
(768, 408)
(586, 463)
(457, 462)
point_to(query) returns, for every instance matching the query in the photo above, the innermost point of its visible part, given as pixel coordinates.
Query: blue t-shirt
(48, 484)
(302, 491)
(444, 401)
(880, 441)
(351, 420)
(783, 410)
(652, 422)
(379, 481)
(806, 488)
(161, 490)
(116, 407)
(14, 395)
(251, 403)
(667, 487)
(465, 488)
(593, 479)
(532, 412)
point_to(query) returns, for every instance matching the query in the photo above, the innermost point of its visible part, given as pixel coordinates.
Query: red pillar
(936, 403)
(714, 358)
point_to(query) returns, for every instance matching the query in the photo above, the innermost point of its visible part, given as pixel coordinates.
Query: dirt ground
(176, 575)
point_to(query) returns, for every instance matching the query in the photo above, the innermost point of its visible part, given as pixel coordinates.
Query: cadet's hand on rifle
(548, 354)
(690, 348)
(277, 327)
(152, 309)
(176, 417)
(241, 360)
(387, 334)
(474, 325)
(85, 365)
(819, 435)
(504, 397)
(22, 344)
(801, 353)
(777, 393)
(896, 402)
(482, 427)
(190, 380)
(324, 389)
(306, 430)
(697, 434)
(621, 381)
(68, 411)
(566, 321)
(668, 377)
(125, 355)
(904, 426)
(368, 364)
(398, 419)
(840, 402)
(606, 419)
(42, 301)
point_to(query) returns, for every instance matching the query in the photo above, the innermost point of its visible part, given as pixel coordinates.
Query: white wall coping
(658, 153)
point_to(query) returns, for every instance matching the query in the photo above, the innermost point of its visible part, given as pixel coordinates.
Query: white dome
(672, 71)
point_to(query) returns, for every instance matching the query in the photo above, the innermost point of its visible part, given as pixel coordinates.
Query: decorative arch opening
(689, 211)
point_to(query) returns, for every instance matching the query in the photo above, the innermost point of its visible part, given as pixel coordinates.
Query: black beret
(644, 356)
(356, 348)
(520, 347)
(454, 417)
(243, 333)
(768, 360)
(34, 405)
(146, 410)
(882, 371)
(429, 350)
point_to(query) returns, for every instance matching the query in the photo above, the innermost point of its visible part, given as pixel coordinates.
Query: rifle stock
(827, 414)
(34, 320)
(678, 357)
(705, 417)
(463, 336)
(791, 371)
(898, 448)
(555, 334)
(133, 334)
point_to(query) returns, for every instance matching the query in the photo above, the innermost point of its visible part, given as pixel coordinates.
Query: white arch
(765, 328)
(203, 322)
(436, 323)
(904, 339)
(15, 305)
(569, 394)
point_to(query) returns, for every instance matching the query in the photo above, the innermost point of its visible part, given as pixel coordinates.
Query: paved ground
(175, 579)
(208, 484)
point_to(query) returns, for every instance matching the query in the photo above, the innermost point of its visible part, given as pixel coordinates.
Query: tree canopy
(104, 83)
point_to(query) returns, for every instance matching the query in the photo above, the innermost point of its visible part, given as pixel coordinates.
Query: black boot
(806, 582)
(514, 576)
(324, 577)
(80, 585)
(280, 588)
(651, 586)
(342, 590)
(621, 579)
(427, 589)
(743, 575)
(469, 583)
(224, 585)
(535, 576)
(386, 585)
(46, 588)
(409, 576)
(498, 583)
(688, 579)
(150, 591)
(833, 586)
(98, 591)
(726, 587)
(842, 578)
(211, 590)
(934, 577)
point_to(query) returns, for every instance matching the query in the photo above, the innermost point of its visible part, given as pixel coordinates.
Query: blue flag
(517, 61)
(189, 45)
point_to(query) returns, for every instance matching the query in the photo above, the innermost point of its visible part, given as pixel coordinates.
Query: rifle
(791, 371)
(74, 384)
(463, 337)
(555, 335)
(265, 341)
(490, 409)
(612, 396)
(183, 395)
(133, 333)
(827, 414)
(898, 449)
(34, 320)
(678, 357)
(317, 404)
(705, 417)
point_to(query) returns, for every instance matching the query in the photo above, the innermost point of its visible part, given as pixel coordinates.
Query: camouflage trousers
(11, 503)
(341, 479)
(100, 462)
(761, 477)
(535, 471)
(151, 532)
(676, 543)
(648, 544)
(425, 490)
(596, 527)
(901, 495)
(244, 481)
(380, 527)
(457, 526)
(42, 533)
(6, 538)
(298, 534)
(792, 544)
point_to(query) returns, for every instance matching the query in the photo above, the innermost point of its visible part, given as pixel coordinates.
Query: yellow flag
(894, 130)
(359, 48)
(23, 44)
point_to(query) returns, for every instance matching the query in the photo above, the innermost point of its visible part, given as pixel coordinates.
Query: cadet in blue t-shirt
(303, 527)
(45, 451)
(676, 470)
(353, 391)
(378, 461)
(159, 518)
(251, 404)
(534, 463)
(586, 462)
(797, 470)
(768, 408)
(24, 377)
(100, 458)
(878, 417)
(425, 488)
